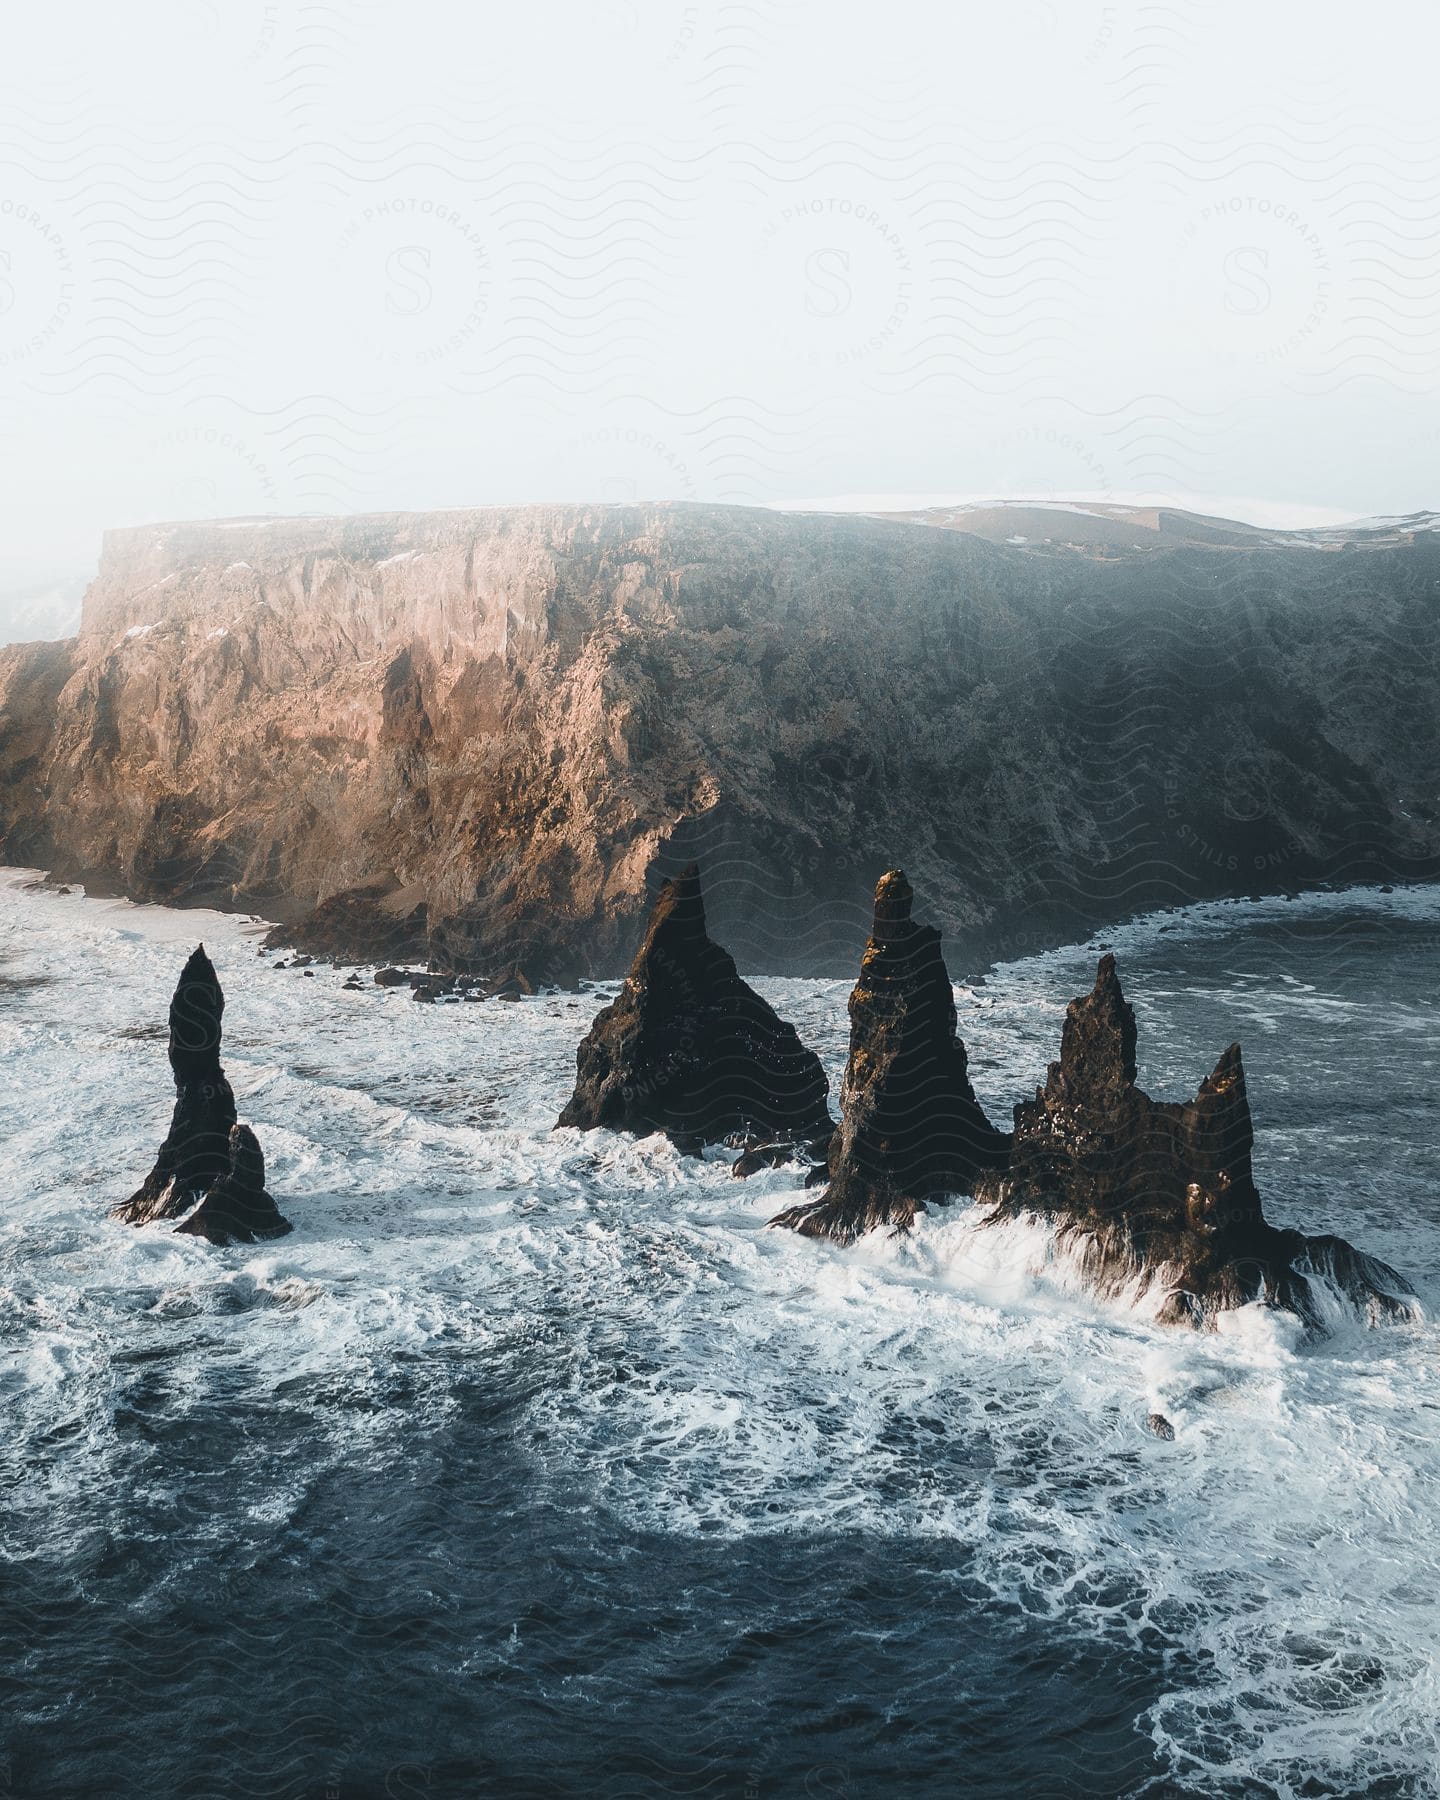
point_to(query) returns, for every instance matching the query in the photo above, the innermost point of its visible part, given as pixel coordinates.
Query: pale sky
(265, 256)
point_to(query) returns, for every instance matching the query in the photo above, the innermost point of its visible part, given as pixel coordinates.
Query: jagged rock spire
(911, 1128)
(196, 1011)
(1159, 1192)
(237, 1209)
(196, 1150)
(678, 916)
(1097, 1044)
(690, 1049)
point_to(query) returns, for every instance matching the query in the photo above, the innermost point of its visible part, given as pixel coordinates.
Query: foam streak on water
(532, 1462)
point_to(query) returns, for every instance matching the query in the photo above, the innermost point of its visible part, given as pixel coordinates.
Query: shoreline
(1135, 931)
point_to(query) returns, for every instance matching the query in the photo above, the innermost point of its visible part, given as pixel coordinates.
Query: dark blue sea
(533, 1464)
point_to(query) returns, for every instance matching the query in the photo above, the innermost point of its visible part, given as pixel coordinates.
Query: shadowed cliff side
(487, 737)
(1162, 1194)
(911, 1128)
(690, 1049)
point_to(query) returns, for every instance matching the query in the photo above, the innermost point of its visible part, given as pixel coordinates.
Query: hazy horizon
(53, 610)
(256, 260)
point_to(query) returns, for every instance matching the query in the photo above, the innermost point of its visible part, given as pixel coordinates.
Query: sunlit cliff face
(486, 736)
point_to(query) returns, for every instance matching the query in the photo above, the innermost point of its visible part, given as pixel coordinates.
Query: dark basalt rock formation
(196, 1151)
(690, 1049)
(1163, 1192)
(775, 1155)
(237, 1209)
(911, 1128)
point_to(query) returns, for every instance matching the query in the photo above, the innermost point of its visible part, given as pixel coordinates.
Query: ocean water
(532, 1463)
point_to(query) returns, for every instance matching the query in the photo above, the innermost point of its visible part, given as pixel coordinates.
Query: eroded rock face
(1163, 1193)
(475, 739)
(690, 1049)
(911, 1128)
(237, 1209)
(196, 1151)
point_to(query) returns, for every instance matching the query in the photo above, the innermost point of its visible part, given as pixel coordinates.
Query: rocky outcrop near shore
(196, 1150)
(481, 740)
(1151, 1194)
(210, 1172)
(911, 1129)
(690, 1049)
(236, 1208)
(1148, 1196)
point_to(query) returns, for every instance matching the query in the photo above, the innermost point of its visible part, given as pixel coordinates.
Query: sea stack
(911, 1128)
(1162, 1194)
(237, 1209)
(690, 1049)
(196, 1151)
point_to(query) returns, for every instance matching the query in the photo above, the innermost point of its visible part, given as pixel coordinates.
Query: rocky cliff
(489, 735)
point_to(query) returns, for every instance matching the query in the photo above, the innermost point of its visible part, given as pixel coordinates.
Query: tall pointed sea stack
(911, 1128)
(237, 1209)
(690, 1049)
(196, 1151)
(1163, 1193)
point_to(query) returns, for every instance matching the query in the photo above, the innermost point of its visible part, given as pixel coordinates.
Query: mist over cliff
(486, 735)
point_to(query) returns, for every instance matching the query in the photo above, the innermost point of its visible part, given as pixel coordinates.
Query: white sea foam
(959, 1385)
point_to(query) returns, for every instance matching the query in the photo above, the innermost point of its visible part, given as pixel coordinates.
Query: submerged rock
(237, 1209)
(776, 1154)
(196, 1151)
(690, 1049)
(1162, 1193)
(911, 1128)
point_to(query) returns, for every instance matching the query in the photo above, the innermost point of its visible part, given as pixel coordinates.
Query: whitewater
(532, 1462)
